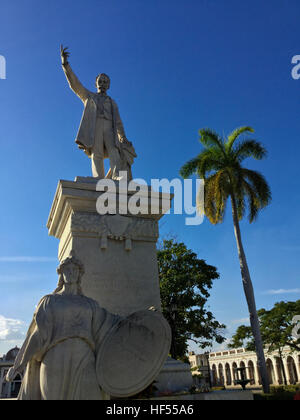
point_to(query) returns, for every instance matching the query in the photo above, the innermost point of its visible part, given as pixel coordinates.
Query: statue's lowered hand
(10, 375)
(64, 54)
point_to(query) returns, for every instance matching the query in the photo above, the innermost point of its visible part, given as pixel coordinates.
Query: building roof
(11, 354)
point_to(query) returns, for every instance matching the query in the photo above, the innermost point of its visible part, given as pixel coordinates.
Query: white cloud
(241, 321)
(281, 291)
(12, 279)
(221, 347)
(16, 259)
(11, 330)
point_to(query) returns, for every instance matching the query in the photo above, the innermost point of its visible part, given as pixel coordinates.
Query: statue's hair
(103, 74)
(60, 269)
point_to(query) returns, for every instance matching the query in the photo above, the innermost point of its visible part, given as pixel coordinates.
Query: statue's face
(102, 83)
(70, 273)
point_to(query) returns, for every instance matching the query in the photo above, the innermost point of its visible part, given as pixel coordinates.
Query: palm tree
(220, 165)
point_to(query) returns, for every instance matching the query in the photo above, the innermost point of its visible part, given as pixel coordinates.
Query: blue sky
(175, 66)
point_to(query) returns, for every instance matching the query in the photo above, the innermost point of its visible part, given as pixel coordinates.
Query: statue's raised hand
(64, 54)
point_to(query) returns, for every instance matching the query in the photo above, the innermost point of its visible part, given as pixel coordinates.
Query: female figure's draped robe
(60, 348)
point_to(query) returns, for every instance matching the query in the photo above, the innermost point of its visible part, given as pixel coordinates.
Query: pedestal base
(118, 250)
(174, 377)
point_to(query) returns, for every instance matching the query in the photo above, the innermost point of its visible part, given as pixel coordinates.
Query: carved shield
(133, 353)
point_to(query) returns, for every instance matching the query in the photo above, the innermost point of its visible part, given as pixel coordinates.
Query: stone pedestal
(174, 377)
(117, 250)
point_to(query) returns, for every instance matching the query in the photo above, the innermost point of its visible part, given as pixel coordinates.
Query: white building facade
(9, 389)
(224, 367)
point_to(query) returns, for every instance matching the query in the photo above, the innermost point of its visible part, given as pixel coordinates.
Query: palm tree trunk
(249, 293)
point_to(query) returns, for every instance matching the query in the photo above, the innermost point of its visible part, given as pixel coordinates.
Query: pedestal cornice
(77, 196)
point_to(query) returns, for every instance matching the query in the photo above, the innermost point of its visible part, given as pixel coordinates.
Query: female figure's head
(70, 272)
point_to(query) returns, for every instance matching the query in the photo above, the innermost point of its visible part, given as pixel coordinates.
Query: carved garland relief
(115, 227)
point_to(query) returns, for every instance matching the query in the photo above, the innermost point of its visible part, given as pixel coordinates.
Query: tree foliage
(276, 327)
(185, 282)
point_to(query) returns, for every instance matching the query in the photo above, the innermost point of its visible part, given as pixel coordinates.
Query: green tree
(184, 284)
(220, 165)
(276, 326)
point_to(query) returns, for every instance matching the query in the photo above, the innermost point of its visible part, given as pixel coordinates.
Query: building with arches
(9, 389)
(224, 367)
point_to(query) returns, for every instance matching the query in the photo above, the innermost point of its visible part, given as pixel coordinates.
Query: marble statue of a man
(65, 335)
(101, 133)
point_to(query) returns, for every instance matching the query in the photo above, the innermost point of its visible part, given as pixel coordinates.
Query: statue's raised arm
(72, 79)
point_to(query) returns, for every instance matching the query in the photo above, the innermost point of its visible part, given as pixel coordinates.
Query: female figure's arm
(33, 343)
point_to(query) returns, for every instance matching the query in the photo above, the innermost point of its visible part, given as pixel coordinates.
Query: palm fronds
(232, 137)
(219, 164)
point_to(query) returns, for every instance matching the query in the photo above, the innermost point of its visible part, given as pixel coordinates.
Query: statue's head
(102, 82)
(70, 271)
